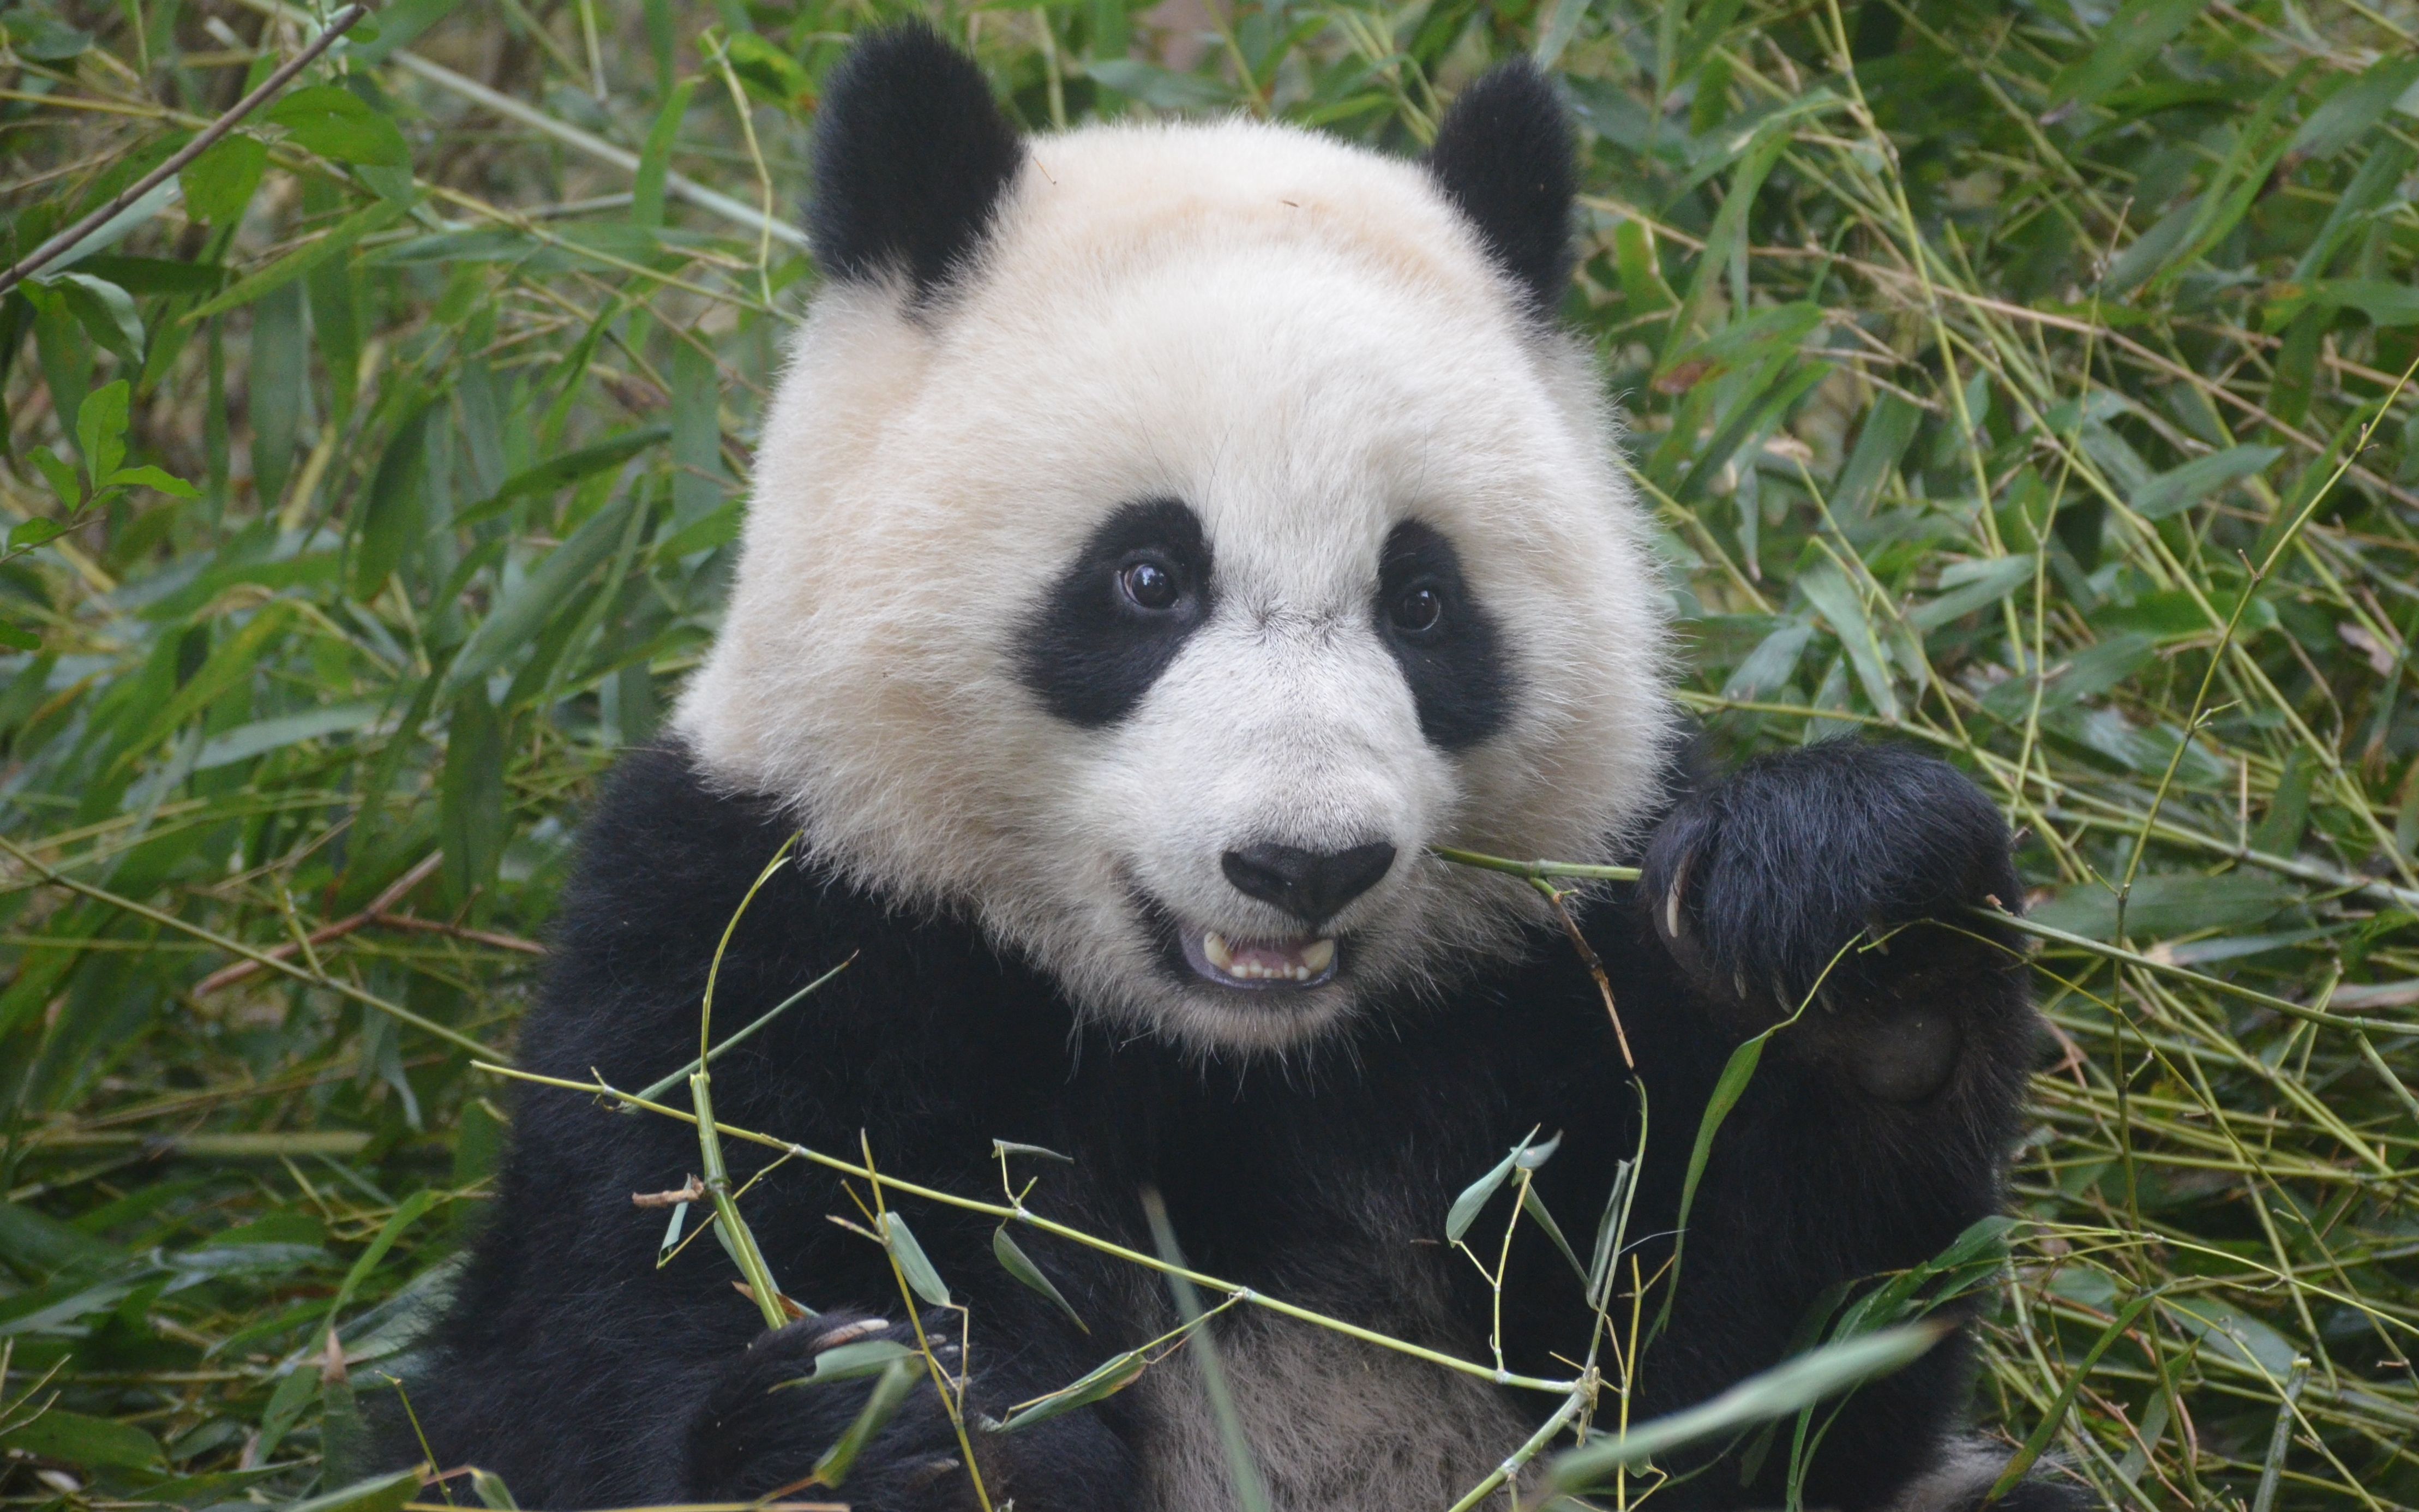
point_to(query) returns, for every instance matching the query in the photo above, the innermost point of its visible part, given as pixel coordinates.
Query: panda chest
(1332, 1423)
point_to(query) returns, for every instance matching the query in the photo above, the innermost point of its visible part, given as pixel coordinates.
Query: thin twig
(334, 984)
(394, 893)
(49, 252)
(491, 938)
(585, 143)
(1018, 1214)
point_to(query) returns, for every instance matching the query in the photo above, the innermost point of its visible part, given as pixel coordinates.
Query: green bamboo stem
(1022, 1214)
(725, 1212)
(659, 1088)
(1534, 870)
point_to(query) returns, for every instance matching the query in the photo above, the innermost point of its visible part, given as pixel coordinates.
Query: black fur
(1458, 675)
(1089, 653)
(1895, 821)
(1504, 154)
(586, 1376)
(912, 156)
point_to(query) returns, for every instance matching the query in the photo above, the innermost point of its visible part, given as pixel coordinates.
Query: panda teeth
(1308, 960)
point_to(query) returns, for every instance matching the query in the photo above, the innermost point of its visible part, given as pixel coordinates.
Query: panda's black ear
(912, 158)
(1506, 156)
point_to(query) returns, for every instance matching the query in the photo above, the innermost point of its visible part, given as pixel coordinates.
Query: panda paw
(764, 1425)
(1842, 871)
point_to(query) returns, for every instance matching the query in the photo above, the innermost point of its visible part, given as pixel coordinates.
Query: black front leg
(1878, 1122)
(1848, 871)
(757, 1433)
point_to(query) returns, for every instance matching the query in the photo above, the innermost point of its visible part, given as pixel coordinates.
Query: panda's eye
(1148, 585)
(1417, 610)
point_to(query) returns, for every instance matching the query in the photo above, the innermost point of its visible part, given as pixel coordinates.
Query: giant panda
(1165, 538)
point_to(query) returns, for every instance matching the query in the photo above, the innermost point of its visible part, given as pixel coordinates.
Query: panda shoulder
(665, 832)
(665, 857)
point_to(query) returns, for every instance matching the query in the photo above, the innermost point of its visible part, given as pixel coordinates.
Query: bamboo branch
(1020, 1214)
(585, 143)
(208, 137)
(394, 893)
(160, 916)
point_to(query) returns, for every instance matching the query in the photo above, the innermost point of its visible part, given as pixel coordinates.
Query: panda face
(1272, 747)
(1225, 536)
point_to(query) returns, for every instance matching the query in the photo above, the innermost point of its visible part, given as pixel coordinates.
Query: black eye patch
(1119, 614)
(1448, 647)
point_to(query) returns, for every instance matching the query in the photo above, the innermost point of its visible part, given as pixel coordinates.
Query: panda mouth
(1257, 964)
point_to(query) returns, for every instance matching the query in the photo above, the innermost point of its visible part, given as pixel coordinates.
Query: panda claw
(1672, 927)
(864, 1328)
(932, 1470)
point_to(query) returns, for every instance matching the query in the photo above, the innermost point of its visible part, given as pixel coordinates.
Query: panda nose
(1312, 886)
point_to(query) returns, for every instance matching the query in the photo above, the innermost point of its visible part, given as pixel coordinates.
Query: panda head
(1164, 535)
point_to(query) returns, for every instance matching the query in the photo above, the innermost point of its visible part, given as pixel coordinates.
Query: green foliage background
(2017, 379)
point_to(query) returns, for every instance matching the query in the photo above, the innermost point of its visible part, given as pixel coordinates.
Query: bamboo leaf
(2131, 38)
(391, 515)
(854, 1361)
(2029, 1453)
(1013, 1259)
(654, 161)
(337, 124)
(408, 1211)
(399, 26)
(556, 474)
(2179, 490)
(1466, 1207)
(61, 477)
(1737, 1072)
(379, 1494)
(900, 1241)
(1102, 1382)
(219, 184)
(1776, 1393)
(81, 1439)
(281, 360)
(2353, 109)
(890, 1390)
(1827, 587)
(101, 429)
(1535, 1206)
(106, 311)
(234, 660)
(547, 588)
(471, 794)
(158, 480)
(1009, 1146)
(338, 238)
(1966, 586)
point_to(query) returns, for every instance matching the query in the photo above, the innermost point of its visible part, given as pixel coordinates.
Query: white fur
(1968, 1465)
(1302, 341)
